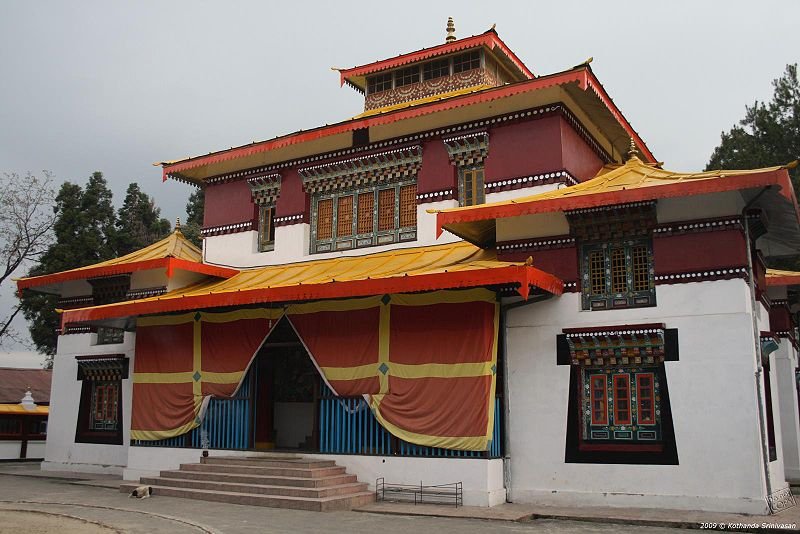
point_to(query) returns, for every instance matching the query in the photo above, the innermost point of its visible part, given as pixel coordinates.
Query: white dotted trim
(288, 218)
(616, 332)
(697, 225)
(227, 227)
(612, 207)
(701, 274)
(535, 178)
(434, 194)
(532, 244)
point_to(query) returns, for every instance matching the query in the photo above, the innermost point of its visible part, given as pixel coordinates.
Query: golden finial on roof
(632, 150)
(451, 31)
(177, 224)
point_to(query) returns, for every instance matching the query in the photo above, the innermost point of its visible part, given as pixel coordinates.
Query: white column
(789, 419)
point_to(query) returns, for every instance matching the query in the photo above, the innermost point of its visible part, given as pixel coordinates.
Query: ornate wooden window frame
(623, 283)
(100, 373)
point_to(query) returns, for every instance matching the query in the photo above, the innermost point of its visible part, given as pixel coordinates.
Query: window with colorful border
(619, 410)
(100, 412)
(471, 186)
(357, 218)
(266, 228)
(617, 274)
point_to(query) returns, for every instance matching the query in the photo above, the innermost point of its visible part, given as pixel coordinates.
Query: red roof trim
(521, 274)
(783, 280)
(579, 76)
(170, 264)
(681, 189)
(598, 89)
(489, 39)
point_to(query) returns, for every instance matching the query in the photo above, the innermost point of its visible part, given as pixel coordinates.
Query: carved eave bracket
(265, 189)
(467, 150)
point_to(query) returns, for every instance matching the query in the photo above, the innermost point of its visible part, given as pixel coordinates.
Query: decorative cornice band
(436, 196)
(145, 292)
(537, 112)
(532, 245)
(725, 273)
(228, 228)
(288, 220)
(611, 208)
(704, 225)
(508, 184)
(75, 302)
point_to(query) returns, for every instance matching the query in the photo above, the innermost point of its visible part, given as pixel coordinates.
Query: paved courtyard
(41, 505)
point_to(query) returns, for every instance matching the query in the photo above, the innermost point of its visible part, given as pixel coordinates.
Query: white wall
(61, 452)
(712, 393)
(482, 479)
(10, 449)
(786, 408)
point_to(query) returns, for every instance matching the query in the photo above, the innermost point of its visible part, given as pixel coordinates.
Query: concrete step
(267, 462)
(338, 502)
(288, 491)
(298, 472)
(266, 480)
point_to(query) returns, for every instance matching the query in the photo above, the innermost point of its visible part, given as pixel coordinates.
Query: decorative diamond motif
(197, 316)
(386, 299)
(494, 369)
(197, 376)
(383, 368)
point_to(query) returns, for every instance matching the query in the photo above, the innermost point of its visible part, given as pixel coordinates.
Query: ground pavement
(34, 502)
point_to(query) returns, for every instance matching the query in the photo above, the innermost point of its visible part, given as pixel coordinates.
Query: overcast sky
(116, 86)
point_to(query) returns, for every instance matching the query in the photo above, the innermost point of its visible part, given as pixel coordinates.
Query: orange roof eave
(490, 39)
(581, 76)
(19, 409)
(778, 177)
(526, 276)
(170, 264)
(780, 278)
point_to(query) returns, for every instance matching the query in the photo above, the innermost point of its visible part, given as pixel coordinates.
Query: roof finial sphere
(451, 31)
(632, 150)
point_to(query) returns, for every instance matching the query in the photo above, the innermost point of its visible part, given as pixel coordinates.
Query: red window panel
(599, 399)
(622, 399)
(646, 398)
(99, 401)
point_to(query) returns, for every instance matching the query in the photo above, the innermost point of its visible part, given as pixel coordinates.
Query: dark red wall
(524, 149)
(228, 203)
(697, 252)
(560, 262)
(578, 158)
(436, 173)
(292, 199)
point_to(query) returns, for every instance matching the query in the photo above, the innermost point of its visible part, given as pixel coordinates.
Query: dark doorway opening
(286, 407)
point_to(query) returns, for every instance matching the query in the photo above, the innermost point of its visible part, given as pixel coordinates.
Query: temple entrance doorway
(287, 392)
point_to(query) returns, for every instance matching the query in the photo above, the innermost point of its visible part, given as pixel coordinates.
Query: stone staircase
(279, 481)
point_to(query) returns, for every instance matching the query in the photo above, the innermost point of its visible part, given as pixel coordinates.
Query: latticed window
(366, 204)
(379, 83)
(325, 219)
(107, 335)
(406, 76)
(436, 69)
(618, 274)
(266, 228)
(471, 186)
(622, 405)
(344, 221)
(386, 209)
(105, 396)
(377, 215)
(467, 61)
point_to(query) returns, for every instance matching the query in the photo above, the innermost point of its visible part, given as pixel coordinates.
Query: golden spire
(177, 224)
(632, 150)
(451, 31)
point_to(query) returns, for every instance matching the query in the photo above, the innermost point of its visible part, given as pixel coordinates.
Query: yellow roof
(174, 251)
(632, 181)
(19, 409)
(404, 270)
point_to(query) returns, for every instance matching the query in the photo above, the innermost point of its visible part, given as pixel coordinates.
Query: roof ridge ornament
(632, 150)
(451, 31)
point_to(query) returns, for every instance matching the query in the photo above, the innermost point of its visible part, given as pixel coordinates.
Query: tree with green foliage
(139, 222)
(84, 234)
(769, 133)
(194, 220)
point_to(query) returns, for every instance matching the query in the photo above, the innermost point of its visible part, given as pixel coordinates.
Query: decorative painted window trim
(244, 226)
(724, 273)
(519, 116)
(101, 378)
(379, 168)
(288, 220)
(375, 236)
(633, 351)
(630, 284)
(436, 196)
(265, 189)
(266, 227)
(510, 184)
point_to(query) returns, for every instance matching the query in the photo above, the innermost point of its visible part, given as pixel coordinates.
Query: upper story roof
(172, 252)
(769, 189)
(356, 77)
